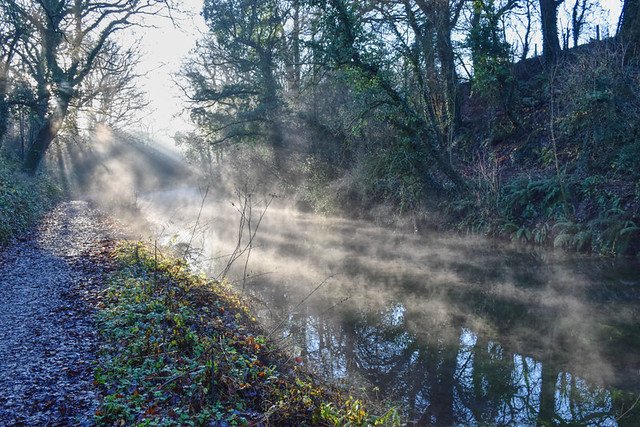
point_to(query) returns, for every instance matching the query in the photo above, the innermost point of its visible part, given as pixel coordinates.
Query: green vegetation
(573, 181)
(348, 106)
(345, 106)
(182, 350)
(23, 199)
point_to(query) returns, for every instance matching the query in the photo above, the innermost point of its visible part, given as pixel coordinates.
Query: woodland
(515, 119)
(512, 118)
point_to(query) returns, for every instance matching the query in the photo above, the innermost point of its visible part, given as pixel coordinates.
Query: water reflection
(458, 331)
(474, 381)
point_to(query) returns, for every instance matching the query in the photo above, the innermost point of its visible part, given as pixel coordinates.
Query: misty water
(457, 330)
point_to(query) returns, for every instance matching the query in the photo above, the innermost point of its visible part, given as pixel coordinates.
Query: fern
(622, 241)
(540, 233)
(562, 240)
(567, 225)
(630, 228)
(523, 234)
(581, 239)
(509, 227)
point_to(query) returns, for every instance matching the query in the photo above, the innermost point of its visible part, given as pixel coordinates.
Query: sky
(165, 46)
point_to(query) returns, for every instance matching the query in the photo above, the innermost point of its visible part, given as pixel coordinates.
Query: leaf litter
(49, 286)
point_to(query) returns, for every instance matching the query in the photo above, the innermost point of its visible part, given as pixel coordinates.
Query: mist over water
(458, 330)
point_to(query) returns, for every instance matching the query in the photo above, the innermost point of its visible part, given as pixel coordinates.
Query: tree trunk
(47, 133)
(447, 62)
(548, 18)
(443, 370)
(295, 47)
(4, 115)
(577, 19)
(630, 25)
(546, 416)
(4, 106)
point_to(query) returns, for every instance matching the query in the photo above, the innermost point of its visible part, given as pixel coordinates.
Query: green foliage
(611, 227)
(571, 235)
(535, 211)
(517, 233)
(23, 199)
(355, 414)
(343, 37)
(525, 199)
(397, 174)
(474, 215)
(181, 350)
(234, 76)
(626, 162)
(615, 232)
(600, 110)
(316, 188)
(490, 52)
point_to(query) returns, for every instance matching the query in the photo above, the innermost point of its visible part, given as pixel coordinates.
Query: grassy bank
(23, 199)
(183, 350)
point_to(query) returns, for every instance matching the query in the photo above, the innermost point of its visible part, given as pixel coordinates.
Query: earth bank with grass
(180, 349)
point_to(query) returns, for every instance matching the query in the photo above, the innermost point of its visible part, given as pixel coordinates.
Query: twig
(253, 276)
(300, 303)
(195, 226)
(175, 377)
(245, 209)
(628, 410)
(335, 305)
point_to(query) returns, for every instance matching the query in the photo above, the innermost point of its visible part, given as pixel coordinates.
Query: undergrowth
(23, 199)
(584, 214)
(184, 350)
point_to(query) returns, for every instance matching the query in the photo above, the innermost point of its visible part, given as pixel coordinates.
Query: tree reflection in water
(457, 330)
(473, 381)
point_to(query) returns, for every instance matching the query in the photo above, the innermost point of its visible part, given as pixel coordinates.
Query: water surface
(455, 330)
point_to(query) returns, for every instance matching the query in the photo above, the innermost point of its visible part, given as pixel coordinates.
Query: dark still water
(459, 331)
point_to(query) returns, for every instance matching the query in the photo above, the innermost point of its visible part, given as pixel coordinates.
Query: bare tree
(529, 5)
(109, 94)
(65, 46)
(578, 18)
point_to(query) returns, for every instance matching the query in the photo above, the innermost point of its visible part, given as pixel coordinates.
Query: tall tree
(629, 29)
(348, 45)
(579, 13)
(11, 32)
(528, 6)
(549, 22)
(235, 77)
(110, 94)
(491, 54)
(67, 40)
(444, 15)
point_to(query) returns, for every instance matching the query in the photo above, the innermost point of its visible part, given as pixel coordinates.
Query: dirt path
(49, 284)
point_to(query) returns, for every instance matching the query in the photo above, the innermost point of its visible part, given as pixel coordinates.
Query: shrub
(600, 111)
(23, 199)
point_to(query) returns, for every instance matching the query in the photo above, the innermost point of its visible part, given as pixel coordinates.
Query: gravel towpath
(49, 287)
